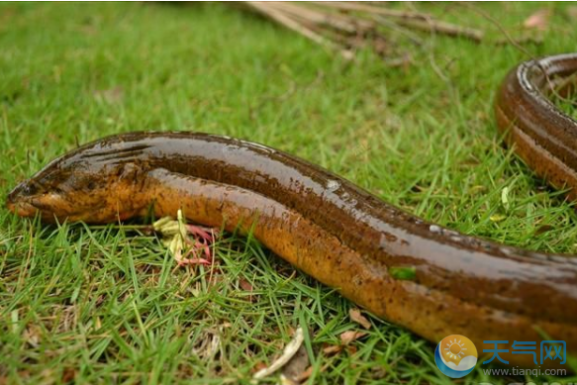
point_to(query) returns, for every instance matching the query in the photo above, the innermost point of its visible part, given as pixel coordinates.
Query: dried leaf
(351, 336)
(477, 189)
(111, 96)
(245, 285)
(260, 366)
(497, 217)
(357, 317)
(306, 374)
(543, 229)
(288, 352)
(68, 375)
(284, 380)
(572, 12)
(297, 365)
(352, 349)
(538, 20)
(332, 349)
(207, 345)
(32, 335)
(505, 197)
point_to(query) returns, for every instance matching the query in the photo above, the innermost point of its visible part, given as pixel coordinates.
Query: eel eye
(29, 188)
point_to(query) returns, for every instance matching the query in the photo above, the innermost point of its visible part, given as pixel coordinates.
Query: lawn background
(101, 305)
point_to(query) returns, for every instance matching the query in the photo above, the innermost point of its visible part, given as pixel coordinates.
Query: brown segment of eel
(338, 233)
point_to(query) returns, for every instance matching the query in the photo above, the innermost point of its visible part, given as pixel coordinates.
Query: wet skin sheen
(337, 232)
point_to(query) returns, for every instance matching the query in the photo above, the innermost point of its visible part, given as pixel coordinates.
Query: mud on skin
(335, 231)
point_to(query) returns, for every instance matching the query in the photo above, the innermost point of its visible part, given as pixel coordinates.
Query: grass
(106, 306)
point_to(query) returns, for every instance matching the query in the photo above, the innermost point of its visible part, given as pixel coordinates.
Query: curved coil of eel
(338, 233)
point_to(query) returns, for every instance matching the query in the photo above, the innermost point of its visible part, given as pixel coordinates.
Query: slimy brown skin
(335, 231)
(544, 137)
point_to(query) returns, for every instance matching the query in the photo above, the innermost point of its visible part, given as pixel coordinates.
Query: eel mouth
(22, 208)
(20, 201)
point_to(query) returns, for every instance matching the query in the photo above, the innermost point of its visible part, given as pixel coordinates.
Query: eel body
(338, 233)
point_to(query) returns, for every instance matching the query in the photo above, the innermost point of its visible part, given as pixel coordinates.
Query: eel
(339, 233)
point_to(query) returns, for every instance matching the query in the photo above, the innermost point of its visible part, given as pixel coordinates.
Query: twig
(521, 40)
(300, 28)
(520, 48)
(287, 22)
(566, 87)
(289, 351)
(415, 20)
(348, 26)
(351, 6)
(389, 24)
(444, 28)
(344, 23)
(499, 26)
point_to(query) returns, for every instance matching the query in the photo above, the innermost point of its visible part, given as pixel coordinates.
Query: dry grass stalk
(350, 26)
